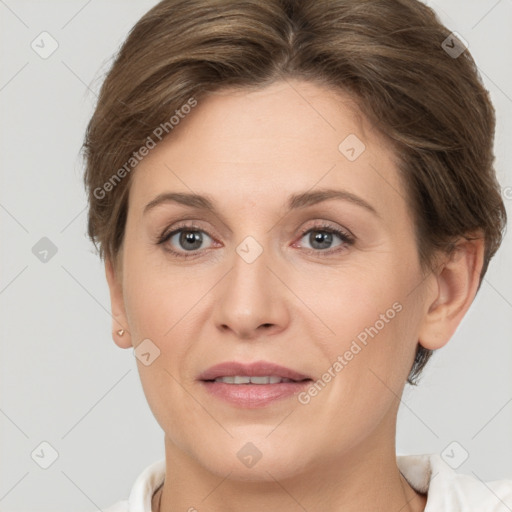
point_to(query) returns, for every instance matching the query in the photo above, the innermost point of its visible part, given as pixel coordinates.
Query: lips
(252, 386)
(256, 369)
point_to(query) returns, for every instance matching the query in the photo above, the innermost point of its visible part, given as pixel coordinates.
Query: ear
(120, 333)
(456, 284)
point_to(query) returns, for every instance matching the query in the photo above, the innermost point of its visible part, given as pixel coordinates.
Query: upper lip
(258, 368)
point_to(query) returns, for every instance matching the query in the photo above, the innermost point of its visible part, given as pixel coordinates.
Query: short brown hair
(387, 54)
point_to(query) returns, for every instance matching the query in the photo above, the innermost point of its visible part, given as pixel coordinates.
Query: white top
(448, 491)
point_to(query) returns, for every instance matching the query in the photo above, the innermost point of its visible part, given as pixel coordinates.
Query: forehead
(263, 145)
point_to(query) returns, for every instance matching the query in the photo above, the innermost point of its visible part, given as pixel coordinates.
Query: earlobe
(120, 333)
(456, 281)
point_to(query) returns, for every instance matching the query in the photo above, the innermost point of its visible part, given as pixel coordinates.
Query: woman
(296, 204)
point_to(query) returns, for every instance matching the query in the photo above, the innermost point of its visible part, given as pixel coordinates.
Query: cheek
(373, 321)
(159, 307)
(369, 359)
(346, 302)
(159, 299)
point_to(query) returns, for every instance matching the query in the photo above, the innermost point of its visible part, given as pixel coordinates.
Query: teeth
(242, 379)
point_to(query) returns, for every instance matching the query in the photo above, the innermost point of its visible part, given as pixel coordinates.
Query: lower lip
(252, 396)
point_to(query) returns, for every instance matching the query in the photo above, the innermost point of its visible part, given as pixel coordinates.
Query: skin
(248, 150)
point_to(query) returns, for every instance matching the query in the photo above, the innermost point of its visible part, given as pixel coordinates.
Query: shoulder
(146, 483)
(448, 490)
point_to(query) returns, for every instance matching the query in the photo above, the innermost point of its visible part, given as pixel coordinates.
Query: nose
(251, 299)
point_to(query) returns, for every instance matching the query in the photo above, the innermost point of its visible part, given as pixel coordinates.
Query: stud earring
(120, 332)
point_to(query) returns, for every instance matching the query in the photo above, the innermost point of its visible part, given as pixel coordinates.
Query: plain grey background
(64, 382)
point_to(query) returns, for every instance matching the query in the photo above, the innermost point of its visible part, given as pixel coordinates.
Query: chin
(253, 459)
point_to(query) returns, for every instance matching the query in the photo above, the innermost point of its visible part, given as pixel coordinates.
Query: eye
(188, 239)
(321, 237)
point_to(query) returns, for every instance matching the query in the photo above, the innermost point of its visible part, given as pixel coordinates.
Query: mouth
(259, 372)
(254, 379)
(252, 385)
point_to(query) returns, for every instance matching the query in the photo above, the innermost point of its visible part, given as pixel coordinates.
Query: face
(328, 286)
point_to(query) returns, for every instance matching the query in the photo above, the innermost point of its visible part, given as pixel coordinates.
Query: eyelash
(344, 236)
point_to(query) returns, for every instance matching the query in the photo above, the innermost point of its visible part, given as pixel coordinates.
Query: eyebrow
(295, 201)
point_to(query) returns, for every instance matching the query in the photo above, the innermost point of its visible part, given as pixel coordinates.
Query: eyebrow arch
(295, 201)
